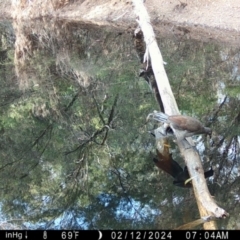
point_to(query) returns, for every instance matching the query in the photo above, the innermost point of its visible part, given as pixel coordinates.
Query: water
(74, 146)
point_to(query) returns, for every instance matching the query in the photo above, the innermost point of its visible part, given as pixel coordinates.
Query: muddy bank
(203, 20)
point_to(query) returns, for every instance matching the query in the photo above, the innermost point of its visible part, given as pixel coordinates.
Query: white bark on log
(206, 204)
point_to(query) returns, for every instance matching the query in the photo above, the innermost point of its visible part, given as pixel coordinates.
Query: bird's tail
(160, 116)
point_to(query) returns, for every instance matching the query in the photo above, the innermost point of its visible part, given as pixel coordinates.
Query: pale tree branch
(206, 204)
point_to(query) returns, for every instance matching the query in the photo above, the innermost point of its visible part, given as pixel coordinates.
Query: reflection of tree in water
(74, 144)
(225, 156)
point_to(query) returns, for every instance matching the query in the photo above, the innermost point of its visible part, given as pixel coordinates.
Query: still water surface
(75, 151)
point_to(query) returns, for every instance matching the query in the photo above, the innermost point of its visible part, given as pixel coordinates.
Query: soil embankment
(203, 20)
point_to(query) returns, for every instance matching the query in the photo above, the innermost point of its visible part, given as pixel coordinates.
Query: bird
(180, 175)
(182, 126)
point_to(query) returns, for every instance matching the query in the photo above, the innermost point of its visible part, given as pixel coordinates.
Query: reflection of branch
(218, 109)
(234, 150)
(77, 171)
(43, 150)
(110, 119)
(42, 135)
(8, 97)
(118, 174)
(106, 127)
(105, 137)
(91, 138)
(224, 156)
(72, 102)
(98, 110)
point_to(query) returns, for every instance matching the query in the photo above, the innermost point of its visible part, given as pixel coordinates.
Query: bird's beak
(151, 115)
